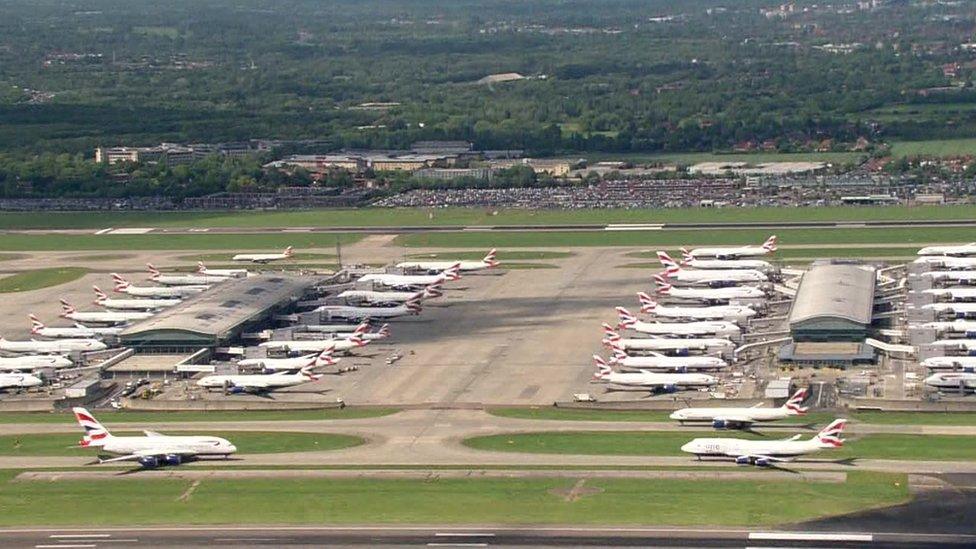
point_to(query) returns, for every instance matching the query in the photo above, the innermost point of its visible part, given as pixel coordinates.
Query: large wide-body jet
(689, 260)
(102, 317)
(967, 277)
(412, 282)
(265, 258)
(743, 418)
(315, 345)
(675, 345)
(488, 262)
(704, 327)
(411, 307)
(952, 294)
(655, 382)
(768, 452)
(182, 279)
(734, 252)
(952, 381)
(947, 262)
(960, 310)
(711, 295)
(76, 331)
(967, 327)
(951, 363)
(228, 273)
(103, 300)
(293, 364)
(961, 344)
(55, 346)
(371, 296)
(658, 361)
(957, 250)
(257, 383)
(34, 362)
(674, 273)
(735, 313)
(151, 450)
(19, 381)
(123, 286)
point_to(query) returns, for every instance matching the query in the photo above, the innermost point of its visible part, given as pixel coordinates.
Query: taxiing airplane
(649, 381)
(103, 300)
(102, 317)
(710, 295)
(228, 273)
(76, 331)
(370, 296)
(689, 260)
(411, 307)
(764, 453)
(675, 345)
(34, 362)
(151, 450)
(264, 258)
(657, 361)
(488, 262)
(674, 272)
(413, 281)
(735, 252)
(257, 383)
(19, 381)
(716, 312)
(952, 380)
(123, 286)
(961, 250)
(324, 358)
(55, 346)
(182, 279)
(743, 418)
(704, 327)
(953, 363)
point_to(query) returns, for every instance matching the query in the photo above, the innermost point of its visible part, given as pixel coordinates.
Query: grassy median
(40, 278)
(126, 416)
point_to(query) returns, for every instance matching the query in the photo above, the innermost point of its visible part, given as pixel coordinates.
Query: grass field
(668, 443)
(938, 147)
(110, 418)
(469, 216)
(442, 501)
(678, 238)
(257, 242)
(247, 442)
(821, 418)
(40, 278)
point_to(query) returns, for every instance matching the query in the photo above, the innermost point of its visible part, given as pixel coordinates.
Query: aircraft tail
(453, 272)
(153, 271)
(618, 352)
(602, 368)
(324, 358)
(95, 433)
(289, 251)
(663, 286)
(121, 284)
(361, 328)
(686, 256)
(829, 437)
(201, 268)
(432, 291)
(609, 333)
(413, 305)
(99, 294)
(384, 331)
(792, 405)
(358, 341)
(309, 375)
(66, 308)
(36, 324)
(670, 265)
(490, 260)
(647, 303)
(770, 244)
(626, 320)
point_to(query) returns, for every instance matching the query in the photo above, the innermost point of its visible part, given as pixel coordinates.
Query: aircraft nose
(231, 448)
(676, 415)
(688, 448)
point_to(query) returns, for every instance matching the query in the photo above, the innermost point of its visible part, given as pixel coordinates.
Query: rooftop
(835, 291)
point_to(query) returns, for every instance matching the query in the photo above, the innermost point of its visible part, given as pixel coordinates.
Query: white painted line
(199, 230)
(457, 545)
(634, 227)
(247, 539)
(463, 534)
(80, 535)
(75, 545)
(130, 540)
(103, 231)
(808, 536)
(133, 230)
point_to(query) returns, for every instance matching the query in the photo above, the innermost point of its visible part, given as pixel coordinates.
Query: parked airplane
(229, 273)
(78, 330)
(951, 276)
(657, 361)
(743, 418)
(313, 360)
(967, 327)
(952, 381)
(959, 310)
(34, 362)
(182, 279)
(963, 250)
(102, 317)
(315, 345)
(264, 258)
(649, 381)
(710, 295)
(411, 307)
(413, 281)
(123, 286)
(717, 312)
(679, 346)
(764, 453)
(370, 296)
(689, 260)
(674, 272)
(102, 299)
(628, 320)
(736, 252)
(151, 450)
(362, 332)
(257, 383)
(18, 381)
(488, 262)
(56, 346)
(947, 262)
(953, 363)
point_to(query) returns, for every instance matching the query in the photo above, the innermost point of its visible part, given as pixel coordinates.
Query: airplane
(968, 345)
(649, 381)
(411, 307)
(316, 345)
(413, 281)
(689, 260)
(709, 295)
(717, 312)
(657, 361)
(959, 310)
(102, 299)
(182, 280)
(674, 272)
(963, 250)
(123, 286)
(767, 247)
(264, 258)
(19, 381)
(951, 276)
(102, 317)
(947, 262)
(488, 262)
(257, 383)
(78, 330)
(954, 294)
(680, 346)
(743, 418)
(313, 360)
(954, 363)
(362, 332)
(765, 453)
(57, 346)
(151, 450)
(967, 327)
(370, 296)
(228, 273)
(628, 320)
(34, 362)
(952, 380)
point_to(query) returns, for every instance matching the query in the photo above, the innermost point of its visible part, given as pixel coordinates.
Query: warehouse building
(218, 316)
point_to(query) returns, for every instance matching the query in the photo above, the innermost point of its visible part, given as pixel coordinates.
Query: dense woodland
(602, 75)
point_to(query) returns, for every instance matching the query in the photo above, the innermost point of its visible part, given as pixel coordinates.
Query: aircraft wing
(159, 452)
(737, 419)
(151, 434)
(765, 457)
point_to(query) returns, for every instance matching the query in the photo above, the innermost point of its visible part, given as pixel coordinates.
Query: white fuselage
(371, 296)
(686, 328)
(75, 332)
(655, 379)
(225, 273)
(672, 362)
(690, 276)
(279, 364)
(952, 327)
(107, 317)
(188, 280)
(443, 265)
(19, 381)
(253, 381)
(58, 346)
(717, 294)
(362, 313)
(720, 264)
(951, 276)
(729, 253)
(739, 415)
(951, 308)
(947, 262)
(327, 328)
(34, 362)
(311, 345)
(403, 281)
(963, 344)
(717, 312)
(136, 304)
(165, 444)
(260, 258)
(964, 250)
(668, 344)
(950, 363)
(736, 447)
(952, 380)
(164, 291)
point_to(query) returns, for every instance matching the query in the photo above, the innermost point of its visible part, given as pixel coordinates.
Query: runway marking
(105, 231)
(81, 535)
(457, 545)
(634, 227)
(462, 535)
(249, 539)
(805, 536)
(76, 545)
